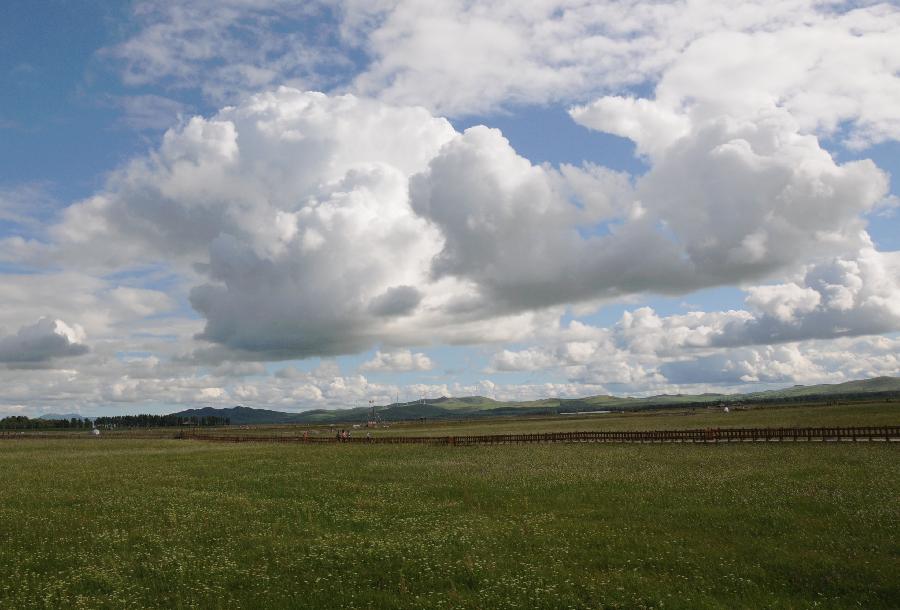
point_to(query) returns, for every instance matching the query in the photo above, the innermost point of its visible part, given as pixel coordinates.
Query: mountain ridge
(65, 416)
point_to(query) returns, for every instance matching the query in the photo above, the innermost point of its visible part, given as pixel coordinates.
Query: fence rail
(33, 434)
(703, 435)
(694, 435)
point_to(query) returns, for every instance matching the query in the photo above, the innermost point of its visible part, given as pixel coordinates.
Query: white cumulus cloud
(397, 361)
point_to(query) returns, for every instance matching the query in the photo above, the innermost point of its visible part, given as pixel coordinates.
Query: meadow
(147, 523)
(876, 413)
(854, 414)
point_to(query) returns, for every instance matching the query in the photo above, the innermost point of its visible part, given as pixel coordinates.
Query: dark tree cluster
(158, 421)
(20, 422)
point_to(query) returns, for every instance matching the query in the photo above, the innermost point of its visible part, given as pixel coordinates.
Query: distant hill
(65, 416)
(481, 406)
(861, 386)
(243, 415)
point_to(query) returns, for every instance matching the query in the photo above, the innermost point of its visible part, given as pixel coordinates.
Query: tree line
(158, 421)
(20, 422)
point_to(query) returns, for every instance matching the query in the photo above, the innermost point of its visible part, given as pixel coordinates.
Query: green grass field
(862, 413)
(858, 413)
(177, 524)
(855, 414)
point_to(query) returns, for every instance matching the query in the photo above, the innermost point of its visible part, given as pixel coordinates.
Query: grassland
(877, 413)
(855, 414)
(161, 523)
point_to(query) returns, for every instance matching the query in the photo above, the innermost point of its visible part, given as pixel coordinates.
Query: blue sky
(182, 223)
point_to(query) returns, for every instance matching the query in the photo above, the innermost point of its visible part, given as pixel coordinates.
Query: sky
(297, 205)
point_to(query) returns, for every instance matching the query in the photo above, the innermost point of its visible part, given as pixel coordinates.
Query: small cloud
(396, 301)
(150, 112)
(22, 69)
(397, 362)
(27, 206)
(887, 207)
(41, 342)
(239, 369)
(10, 410)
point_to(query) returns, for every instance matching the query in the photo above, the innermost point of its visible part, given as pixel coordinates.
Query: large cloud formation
(797, 331)
(829, 61)
(836, 298)
(300, 224)
(834, 71)
(733, 202)
(294, 207)
(325, 225)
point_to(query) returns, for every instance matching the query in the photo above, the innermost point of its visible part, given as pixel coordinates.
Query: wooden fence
(33, 434)
(695, 435)
(704, 435)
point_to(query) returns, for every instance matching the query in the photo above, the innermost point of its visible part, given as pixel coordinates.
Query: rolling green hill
(861, 386)
(243, 415)
(481, 406)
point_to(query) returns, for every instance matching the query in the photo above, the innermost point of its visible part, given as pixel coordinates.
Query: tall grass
(156, 523)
